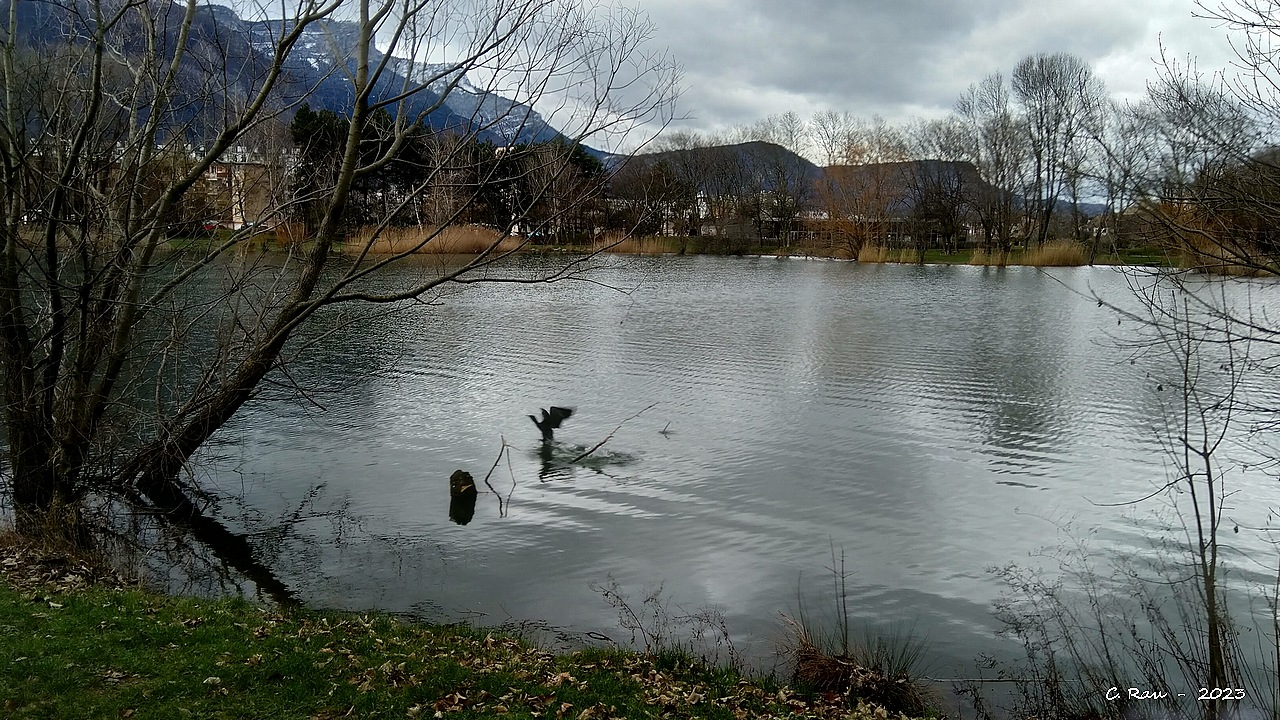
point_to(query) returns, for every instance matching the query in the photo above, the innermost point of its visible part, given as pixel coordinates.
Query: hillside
(226, 59)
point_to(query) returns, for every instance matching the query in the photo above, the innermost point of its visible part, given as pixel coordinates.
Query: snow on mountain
(317, 70)
(317, 61)
(496, 116)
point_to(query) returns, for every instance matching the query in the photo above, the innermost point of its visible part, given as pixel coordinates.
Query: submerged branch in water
(502, 505)
(609, 437)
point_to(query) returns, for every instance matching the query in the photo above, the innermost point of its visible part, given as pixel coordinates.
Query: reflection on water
(932, 421)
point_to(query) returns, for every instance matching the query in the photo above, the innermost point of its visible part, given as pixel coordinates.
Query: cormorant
(551, 420)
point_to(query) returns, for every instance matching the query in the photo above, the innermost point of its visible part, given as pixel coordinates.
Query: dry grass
(30, 565)
(427, 239)
(873, 254)
(291, 233)
(881, 254)
(1059, 253)
(1218, 258)
(996, 258)
(619, 243)
(853, 677)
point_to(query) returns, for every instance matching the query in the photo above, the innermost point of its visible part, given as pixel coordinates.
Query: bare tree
(997, 148)
(939, 182)
(694, 161)
(865, 195)
(123, 348)
(1210, 176)
(1061, 99)
(1127, 144)
(830, 133)
(1202, 172)
(782, 178)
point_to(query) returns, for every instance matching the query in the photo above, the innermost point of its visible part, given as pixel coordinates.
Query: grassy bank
(76, 649)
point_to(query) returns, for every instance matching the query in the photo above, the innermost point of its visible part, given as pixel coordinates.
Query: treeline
(1043, 153)
(430, 177)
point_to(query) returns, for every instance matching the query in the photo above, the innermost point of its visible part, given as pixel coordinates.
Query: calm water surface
(931, 422)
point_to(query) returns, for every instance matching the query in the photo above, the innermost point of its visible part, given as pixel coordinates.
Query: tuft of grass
(879, 669)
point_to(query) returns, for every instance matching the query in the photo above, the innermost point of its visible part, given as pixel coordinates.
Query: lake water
(929, 422)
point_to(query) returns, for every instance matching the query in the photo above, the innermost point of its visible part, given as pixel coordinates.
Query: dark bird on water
(551, 420)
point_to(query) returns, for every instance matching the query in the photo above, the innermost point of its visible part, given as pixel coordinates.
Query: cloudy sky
(746, 59)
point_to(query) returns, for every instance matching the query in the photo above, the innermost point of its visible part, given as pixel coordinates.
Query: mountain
(727, 169)
(226, 59)
(762, 166)
(324, 55)
(756, 157)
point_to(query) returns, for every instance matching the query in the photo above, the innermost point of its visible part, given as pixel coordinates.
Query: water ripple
(929, 422)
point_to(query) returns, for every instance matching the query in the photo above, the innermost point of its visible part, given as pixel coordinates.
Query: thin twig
(609, 436)
(502, 511)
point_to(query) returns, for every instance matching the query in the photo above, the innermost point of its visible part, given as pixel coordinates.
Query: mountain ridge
(227, 57)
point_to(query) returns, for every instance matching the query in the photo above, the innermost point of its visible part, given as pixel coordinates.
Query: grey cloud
(748, 59)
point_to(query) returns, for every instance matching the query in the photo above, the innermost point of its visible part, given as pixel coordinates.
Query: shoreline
(85, 642)
(1052, 254)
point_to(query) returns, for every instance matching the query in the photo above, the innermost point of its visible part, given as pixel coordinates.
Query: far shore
(472, 239)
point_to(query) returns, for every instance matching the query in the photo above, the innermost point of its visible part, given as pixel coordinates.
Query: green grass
(1137, 256)
(98, 653)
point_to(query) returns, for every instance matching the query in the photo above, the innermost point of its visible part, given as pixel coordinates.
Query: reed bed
(428, 239)
(882, 254)
(1059, 253)
(995, 258)
(873, 254)
(630, 245)
(291, 233)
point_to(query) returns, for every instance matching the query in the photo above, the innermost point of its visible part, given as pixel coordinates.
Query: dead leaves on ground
(375, 654)
(29, 568)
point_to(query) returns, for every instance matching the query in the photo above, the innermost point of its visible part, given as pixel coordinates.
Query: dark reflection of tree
(205, 554)
(300, 543)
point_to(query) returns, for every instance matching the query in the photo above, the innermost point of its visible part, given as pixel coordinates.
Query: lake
(930, 423)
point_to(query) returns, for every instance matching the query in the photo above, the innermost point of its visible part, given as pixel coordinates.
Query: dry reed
(291, 233)
(427, 239)
(882, 254)
(616, 242)
(996, 258)
(873, 254)
(1059, 253)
